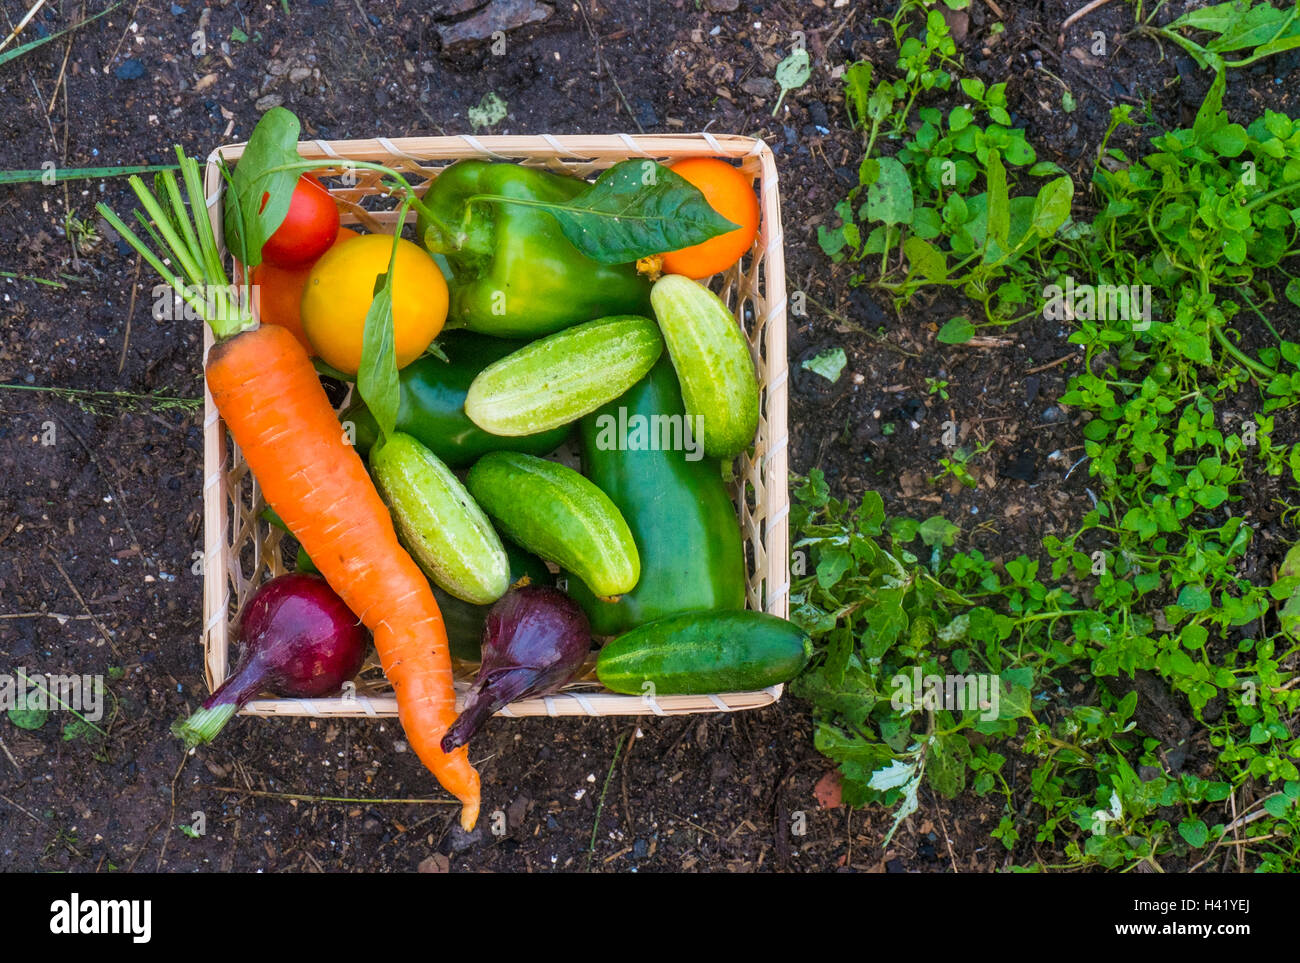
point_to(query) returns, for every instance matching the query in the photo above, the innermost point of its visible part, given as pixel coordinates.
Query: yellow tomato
(341, 287)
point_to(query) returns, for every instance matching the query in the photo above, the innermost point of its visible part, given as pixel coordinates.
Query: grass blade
(79, 173)
(32, 45)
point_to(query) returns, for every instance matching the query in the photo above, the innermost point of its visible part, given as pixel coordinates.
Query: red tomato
(308, 229)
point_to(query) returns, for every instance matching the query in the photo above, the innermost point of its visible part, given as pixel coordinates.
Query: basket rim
(590, 149)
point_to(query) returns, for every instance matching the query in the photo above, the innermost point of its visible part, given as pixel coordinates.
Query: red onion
(299, 640)
(534, 641)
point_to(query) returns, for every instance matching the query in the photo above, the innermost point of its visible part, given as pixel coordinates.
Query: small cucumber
(703, 652)
(712, 360)
(554, 512)
(559, 379)
(444, 530)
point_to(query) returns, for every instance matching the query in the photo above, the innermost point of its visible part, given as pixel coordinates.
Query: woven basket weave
(241, 550)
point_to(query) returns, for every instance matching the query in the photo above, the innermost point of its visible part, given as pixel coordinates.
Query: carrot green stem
(184, 234)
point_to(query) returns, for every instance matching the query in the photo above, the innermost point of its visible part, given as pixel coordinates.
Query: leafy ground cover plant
(1190, 242)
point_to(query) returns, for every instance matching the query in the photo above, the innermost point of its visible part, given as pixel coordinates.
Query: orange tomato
(277, 293)
(728, 192)
(341, 286)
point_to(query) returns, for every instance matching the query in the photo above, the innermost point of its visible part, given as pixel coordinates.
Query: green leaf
(947, 762)
(1194, 831)
(377, 374)
(273, 143)
(1210, 116)
(896, 774)
(1052, 206)
(937, 530)
(957, 330)
(889, 199)
(857, 92)
(1277, 805)
(635, 209)
(28, 718)
(76, 728)
(793, 72)
(831, 240)
(999, 209)
(1194, 598)
(925, 259)
(829, 364)
(491, 110)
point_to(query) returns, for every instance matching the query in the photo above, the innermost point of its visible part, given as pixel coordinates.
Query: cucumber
(554, 512)
(704, 652)
(712, 360)
(557, 380)
(675, 503)
(446, 533)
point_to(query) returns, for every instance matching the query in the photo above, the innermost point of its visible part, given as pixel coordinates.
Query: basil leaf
(377, 374)
(274, 143)
(634, 209)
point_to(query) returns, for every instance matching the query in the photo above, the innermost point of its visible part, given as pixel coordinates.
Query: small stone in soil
(131, 69)
(1053, 415)
(1032, 384)
(645, 112)
(461, 840)
(722, 6)
(1023, 466)
(817, 114)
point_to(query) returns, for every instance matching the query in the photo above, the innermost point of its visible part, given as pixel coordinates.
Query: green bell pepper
(432, 407)
(514, 274)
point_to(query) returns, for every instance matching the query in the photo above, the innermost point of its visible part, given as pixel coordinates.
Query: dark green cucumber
(702, 652)
(635, 449)
(464, 620)
(554, 512)
(432, 408)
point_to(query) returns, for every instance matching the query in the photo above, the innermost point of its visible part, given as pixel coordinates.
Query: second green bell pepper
(514, 274)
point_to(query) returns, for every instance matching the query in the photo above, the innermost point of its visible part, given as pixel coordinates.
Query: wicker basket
(241, 549)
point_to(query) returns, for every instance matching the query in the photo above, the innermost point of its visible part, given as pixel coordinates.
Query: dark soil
(100, 526)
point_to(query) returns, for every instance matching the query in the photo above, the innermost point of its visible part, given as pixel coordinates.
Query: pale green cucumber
(446, 533)
(555, 513)
(559, 379)
(712, 360)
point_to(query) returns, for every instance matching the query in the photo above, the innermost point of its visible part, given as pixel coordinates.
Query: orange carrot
(271, 398)
(265, 387)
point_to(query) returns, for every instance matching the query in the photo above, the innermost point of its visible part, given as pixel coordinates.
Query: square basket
(241, 549)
